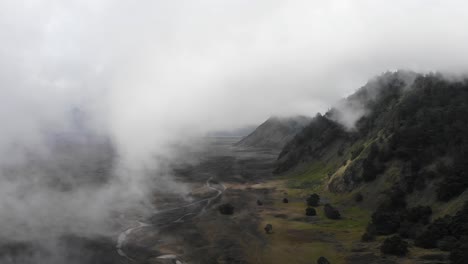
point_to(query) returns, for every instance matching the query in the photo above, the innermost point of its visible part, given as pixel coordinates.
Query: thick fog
(113, 85)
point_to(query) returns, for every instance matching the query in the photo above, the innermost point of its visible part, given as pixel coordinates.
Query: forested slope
(405, 152)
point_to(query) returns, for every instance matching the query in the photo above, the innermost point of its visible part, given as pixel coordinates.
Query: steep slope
(401, 144)
(275, 132)
(421, 125)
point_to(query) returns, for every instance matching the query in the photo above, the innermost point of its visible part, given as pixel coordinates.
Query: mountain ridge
(405, 151)
(275, 132)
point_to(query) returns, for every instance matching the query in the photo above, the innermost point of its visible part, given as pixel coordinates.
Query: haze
(144, 75)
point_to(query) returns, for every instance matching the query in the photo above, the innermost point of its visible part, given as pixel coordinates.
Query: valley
(391, 189)
(197, 232)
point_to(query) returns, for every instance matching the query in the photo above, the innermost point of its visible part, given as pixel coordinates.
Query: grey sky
(149, 73)
(217, 63)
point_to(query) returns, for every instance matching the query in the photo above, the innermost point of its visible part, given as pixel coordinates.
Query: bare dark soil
(184, 229)
(198, 232)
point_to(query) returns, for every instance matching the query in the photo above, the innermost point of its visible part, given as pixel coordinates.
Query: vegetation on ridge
(407, 151)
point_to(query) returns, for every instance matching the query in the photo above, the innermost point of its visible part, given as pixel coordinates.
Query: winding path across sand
(121, 240)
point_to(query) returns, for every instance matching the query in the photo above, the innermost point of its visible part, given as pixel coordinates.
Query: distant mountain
(238, 132)
(275, 132)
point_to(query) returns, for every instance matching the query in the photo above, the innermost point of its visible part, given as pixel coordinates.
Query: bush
(419, 214)
(395, 199)
(459, 254)
(358, 197)
(410, 230)
(313, 200)
(386, 222)
(385, 154)
(451, 187)
(322, 260)
(434, 232)
(367, 237)
(310, 211)
(356, 152)
(370, 233)
(226, 209)
(427, 240)
(369, 170)
(394, 246)
(455, 181)
(371, 166)
(331, 212)
(447, 243)
(448, 226)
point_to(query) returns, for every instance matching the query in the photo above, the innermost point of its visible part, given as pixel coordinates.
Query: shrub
(310, 211)
(448, 226)
(395, 199)
(331, 212)
(313, 200)
(386, 222)
(369, 170)
(356, 152)
(419, 214)
(367, 237)
(459, 254)
(226, 209)
(451, 187)
(322, 260)
(447, 243)
(394, 245)
(410, 230)
(370, 233)
(434, 232)
(358, 197)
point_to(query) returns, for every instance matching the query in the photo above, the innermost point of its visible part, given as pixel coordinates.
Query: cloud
(151, 73)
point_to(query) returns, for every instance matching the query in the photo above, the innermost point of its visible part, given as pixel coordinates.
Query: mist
(120, 82)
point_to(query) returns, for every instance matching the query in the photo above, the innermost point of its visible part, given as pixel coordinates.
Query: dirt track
(196, 232)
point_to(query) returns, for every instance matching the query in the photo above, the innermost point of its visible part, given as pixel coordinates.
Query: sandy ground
(195, 231)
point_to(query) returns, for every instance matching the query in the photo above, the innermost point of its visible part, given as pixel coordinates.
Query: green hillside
(394, 152)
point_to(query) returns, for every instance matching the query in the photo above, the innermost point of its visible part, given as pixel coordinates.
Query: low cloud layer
(147, 74)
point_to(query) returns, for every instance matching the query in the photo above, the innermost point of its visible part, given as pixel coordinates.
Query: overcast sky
(150, 72)
(197, 65)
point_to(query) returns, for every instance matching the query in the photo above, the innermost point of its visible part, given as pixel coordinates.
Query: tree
(313, 200)
(331, 212)
(322, 260)
(310, 211)
(394, 245)
(358, 197)
(226, 209)
(386, 222)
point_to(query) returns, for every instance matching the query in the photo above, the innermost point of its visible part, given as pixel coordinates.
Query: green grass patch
(313, 177)
(296, 241)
